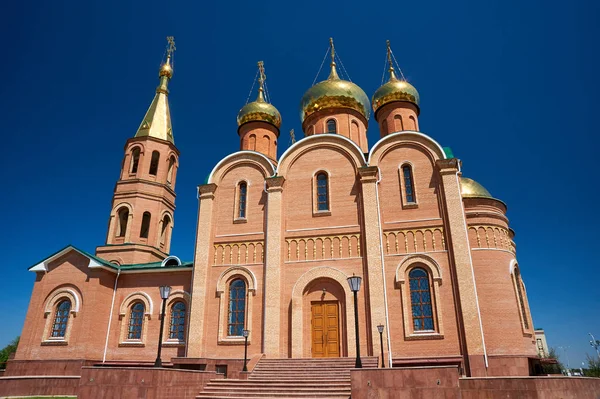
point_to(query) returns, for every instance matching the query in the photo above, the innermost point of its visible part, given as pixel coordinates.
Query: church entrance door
(325, 329)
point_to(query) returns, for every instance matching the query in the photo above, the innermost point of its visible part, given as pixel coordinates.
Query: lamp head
(354, 283)
(245, 333)
(165, 291)
(380, 328)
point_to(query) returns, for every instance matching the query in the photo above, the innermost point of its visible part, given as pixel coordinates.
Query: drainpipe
(387, 315)
(111, 314)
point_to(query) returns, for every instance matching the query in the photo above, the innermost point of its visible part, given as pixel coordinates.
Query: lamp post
(380, 329)
(354, 283)
(165, 291)
(245, 333)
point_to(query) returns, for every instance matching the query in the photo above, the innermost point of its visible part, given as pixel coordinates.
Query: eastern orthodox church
(277, 240)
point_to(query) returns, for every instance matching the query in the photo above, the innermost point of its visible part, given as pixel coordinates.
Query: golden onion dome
(166, 70)
(259, 110)
(469, 188)
(395, 90)
(334, 93)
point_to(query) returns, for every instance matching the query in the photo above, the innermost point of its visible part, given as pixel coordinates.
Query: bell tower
(141, 217)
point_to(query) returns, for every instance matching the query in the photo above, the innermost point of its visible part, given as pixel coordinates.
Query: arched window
(519, 284)
(61, 319)
(413, 122)
(384, 126)
(409, 187)
(154, 163)
(135, 160)
(177, 326)
(242, 199)
(311, 130)
(354, 132)
(136, 321)
(237, 308)
(123, 219)
(322, 192)
(398, 125)
(420, 298)
(331, 126)
(252, 142)
(164, 230)
(171, 170)
(145, 225)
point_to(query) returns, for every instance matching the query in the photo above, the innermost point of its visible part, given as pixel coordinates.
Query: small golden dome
(395, 90)
(259, 110)
(469, 188)
(334, 93)
(166, 70)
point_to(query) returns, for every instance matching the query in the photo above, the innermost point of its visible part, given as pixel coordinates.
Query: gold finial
(261, 81)
(167, 69)
(292, 136)
(389, 57)
(333, 75)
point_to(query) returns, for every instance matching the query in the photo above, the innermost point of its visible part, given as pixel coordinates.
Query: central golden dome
(334, 93)
(469, 188)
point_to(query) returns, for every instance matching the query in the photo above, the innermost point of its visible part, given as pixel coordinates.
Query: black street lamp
(354, 283)
(245, 333)
(165, 291)
(380, 329)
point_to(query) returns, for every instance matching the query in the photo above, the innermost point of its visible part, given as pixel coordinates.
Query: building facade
(277, 239)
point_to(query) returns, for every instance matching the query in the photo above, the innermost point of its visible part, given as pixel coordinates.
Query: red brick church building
(277, 240)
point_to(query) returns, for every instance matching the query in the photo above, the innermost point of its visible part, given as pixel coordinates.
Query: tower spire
(389, 57)
(157, 121)
(333, 75)
(261, 82)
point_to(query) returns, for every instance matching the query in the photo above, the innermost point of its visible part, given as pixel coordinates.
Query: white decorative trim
(168, 258)
(390, 136)
(72, 294)
(415, 220)
(228, 157)
(318, 137)
(132, 297)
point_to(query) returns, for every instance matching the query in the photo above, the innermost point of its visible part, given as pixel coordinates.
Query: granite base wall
(39, 385)
(444, 382)
(46, 367)
(137, 382)
(530, 388)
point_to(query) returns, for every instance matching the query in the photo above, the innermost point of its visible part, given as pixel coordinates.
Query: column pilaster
(272, 285)
(374, 279)
(206, 196)
(460, 257)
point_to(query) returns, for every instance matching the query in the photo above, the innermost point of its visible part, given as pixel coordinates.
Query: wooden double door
(325, 329)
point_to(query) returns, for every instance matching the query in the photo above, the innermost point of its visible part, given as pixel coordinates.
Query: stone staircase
(290, 378)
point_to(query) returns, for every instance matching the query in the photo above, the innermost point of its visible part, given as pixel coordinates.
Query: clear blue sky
(510, 86)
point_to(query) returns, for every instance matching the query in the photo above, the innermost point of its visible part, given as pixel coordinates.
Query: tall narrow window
(398, 125)
(164, 230)
(242, 196)
(331, 126)
(237, 308)
(61, 319)
(519, 284)
(136, 321)
(154, 163)
(322, 192)
(409, 187)
(123, 219)
(171, 172)
(135, 160)
(145, 225)
(420, 298)
(177, 326)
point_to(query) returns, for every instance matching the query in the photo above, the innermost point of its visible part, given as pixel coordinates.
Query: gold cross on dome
(262, 77)
(171, 47)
